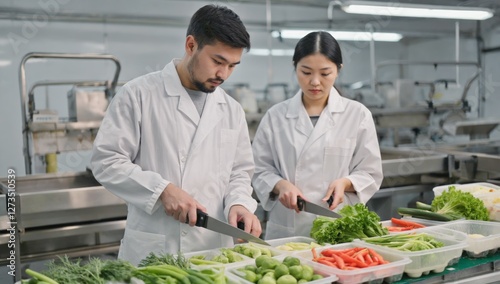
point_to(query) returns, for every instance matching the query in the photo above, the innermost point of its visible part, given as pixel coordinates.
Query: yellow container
(51, 160)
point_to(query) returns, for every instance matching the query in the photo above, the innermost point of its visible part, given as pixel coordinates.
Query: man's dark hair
(213, 23)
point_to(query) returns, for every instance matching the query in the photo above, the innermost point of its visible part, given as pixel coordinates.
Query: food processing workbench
(467, 270)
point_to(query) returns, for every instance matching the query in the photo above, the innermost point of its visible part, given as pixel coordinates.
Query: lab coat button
(184, 233)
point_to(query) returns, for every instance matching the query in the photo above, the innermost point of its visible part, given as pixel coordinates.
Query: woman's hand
(287, 194)
(337, 188)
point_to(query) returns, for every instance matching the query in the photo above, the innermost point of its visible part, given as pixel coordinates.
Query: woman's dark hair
(217, 23)
(318, 42)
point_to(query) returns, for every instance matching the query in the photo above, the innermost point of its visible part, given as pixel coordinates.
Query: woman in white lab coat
(315, 145)
(173, 142)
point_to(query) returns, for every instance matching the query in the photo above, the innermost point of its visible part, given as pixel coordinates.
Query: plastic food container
(328, 275)
(276, 243)
(388, 273)
(209, 254)
(487, 192)
(482, 246)
(432, 260)
(274, 251)
(474, 188)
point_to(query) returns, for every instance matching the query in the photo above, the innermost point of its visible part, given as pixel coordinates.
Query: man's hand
(337, 188)
(287, 194)
(239, 213)
(180, 205)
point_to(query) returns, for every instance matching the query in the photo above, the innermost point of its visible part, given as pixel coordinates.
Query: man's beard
(198, 84)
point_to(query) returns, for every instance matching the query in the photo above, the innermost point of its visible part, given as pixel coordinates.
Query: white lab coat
(152, 135)
(287, 146)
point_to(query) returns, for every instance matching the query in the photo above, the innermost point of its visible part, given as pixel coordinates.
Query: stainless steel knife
(205, 221)
(314, 208)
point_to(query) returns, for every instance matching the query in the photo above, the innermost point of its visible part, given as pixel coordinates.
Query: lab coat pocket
(136, 245)
(227, 150)
(340, 147)
(336, 159)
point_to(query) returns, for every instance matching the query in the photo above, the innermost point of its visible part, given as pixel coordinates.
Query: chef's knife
(205, 221)
(314, 208)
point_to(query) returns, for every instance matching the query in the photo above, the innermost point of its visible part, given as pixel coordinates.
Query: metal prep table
(56, 214)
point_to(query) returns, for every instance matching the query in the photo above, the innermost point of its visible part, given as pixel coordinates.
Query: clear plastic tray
(478, 247)
(209, 254)
(328, 275)
(275, 243)
(274, 251)
(432, 260)
(474, 188)
(388, 273)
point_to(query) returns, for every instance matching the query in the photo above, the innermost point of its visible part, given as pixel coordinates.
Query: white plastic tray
(433, 260)
(275, 243)
(274, 251)
(478, 247)
(209, 254)
(328, 274)
(390, 272)
(474, 188)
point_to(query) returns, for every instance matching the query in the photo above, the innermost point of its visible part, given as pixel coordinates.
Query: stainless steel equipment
(409, 175)
(62, 214)
(44, 132)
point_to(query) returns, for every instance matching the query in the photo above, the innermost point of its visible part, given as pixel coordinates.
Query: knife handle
(201, 219)
(330, 200)
(300, 203)
(241, 225)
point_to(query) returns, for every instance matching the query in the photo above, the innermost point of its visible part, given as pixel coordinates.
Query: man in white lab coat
(315, 145)
(173, 142)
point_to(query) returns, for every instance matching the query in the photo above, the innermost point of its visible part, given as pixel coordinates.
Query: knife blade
(210, 223)
(314, 208)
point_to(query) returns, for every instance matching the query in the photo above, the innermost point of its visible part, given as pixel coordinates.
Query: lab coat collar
(174, 88)
(335, 104)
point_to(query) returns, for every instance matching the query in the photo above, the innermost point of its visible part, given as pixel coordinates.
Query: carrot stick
(374, 255)
(326, 262)
(351, 259)
(340, 262)
(314, 253)
(406, 223)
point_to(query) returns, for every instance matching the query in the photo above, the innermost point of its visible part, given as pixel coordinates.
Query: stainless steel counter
(62, 213)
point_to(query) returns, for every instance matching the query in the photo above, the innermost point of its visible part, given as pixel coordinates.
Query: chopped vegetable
(293, 246)
(357, 222)
(349, 259)
(406, 223)
(407, 242)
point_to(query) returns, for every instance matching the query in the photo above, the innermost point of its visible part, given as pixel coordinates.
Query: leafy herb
(459, 204)
(158, 259)
(118, 270)
(357, 222)
(68, 272)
